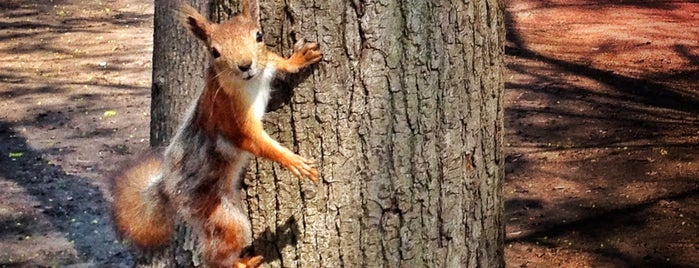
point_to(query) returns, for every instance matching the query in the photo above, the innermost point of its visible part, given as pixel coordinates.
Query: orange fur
(137, 201)
(196, 176)
(228, 115)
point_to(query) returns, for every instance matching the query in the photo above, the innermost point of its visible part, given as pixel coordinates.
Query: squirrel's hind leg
(249, 262)
(226, 233)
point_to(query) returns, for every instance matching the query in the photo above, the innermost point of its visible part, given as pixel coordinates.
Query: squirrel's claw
(307, 53)
(302, 167)
(311, 52)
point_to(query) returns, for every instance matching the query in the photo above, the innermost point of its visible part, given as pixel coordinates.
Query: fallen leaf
(110, 113)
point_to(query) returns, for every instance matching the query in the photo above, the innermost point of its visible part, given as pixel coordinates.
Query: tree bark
(404, 117)
(179, 62)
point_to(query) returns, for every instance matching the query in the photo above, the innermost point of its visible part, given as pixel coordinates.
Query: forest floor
(602, 119)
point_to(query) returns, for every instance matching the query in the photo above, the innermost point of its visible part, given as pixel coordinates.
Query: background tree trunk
(404, 116)
(179, 63)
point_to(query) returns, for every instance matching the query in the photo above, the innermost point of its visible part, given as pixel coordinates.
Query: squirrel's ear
(251, 9)
(195, 22)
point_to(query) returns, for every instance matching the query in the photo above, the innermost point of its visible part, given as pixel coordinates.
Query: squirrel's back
(141, 213)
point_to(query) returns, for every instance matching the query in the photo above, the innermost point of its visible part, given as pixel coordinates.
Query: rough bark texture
(405, 119)
(179, 63)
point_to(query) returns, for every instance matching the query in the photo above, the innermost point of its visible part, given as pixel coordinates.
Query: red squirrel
(198, 176)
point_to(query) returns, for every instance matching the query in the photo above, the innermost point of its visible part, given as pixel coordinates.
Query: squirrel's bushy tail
(139, 210)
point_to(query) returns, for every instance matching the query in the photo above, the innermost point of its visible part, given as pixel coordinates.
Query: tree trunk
(179, 62)
(404, 117)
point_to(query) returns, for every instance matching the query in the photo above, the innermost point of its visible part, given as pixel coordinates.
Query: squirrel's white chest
(258, 89)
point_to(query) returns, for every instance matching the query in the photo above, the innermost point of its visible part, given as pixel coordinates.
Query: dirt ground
(74, 92)
(602, 127)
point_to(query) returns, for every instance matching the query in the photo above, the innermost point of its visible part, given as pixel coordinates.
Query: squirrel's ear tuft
(195, 22)
(251, 9)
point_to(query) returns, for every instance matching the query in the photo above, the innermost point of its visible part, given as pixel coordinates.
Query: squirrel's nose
(245, 66)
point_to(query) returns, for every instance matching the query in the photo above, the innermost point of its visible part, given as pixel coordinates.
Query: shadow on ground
(603, 129)
(66, 203)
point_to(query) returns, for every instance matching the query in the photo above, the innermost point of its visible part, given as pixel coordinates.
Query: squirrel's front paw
(306, 53)
(302, 167)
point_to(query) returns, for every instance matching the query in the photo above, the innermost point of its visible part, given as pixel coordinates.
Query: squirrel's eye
(215, 53)
(258, 37)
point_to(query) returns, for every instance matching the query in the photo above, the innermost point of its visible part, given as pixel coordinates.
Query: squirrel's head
(235, 45)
